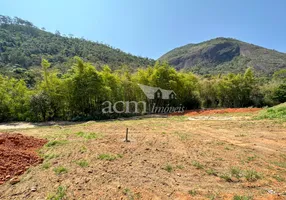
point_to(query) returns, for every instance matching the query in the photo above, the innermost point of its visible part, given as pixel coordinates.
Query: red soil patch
(217, 111)
(17, 154)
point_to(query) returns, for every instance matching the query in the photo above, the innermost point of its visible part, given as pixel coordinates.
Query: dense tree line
(79, 93)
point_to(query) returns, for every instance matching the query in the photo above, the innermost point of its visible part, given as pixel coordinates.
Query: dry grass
(167, 158)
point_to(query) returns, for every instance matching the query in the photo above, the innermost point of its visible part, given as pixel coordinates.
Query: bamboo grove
(79, 93)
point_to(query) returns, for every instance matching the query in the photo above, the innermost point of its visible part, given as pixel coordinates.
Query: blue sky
(150, 28)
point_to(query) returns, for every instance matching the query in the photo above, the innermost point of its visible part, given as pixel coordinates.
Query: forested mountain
(45, 76)
(224, 55)
(22, 46)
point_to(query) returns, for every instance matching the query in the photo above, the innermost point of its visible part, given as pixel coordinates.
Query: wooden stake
(126, 137)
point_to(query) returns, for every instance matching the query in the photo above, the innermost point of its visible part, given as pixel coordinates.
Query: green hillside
(276, 112)
(223, 55)
(22, 46)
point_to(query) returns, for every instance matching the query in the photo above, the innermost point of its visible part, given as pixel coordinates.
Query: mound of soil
(17, 154)
(217, 111)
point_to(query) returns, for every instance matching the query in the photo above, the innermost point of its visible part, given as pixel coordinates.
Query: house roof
(166, 93)
(150, 91)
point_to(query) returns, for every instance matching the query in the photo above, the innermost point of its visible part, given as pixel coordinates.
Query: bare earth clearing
(167, 158)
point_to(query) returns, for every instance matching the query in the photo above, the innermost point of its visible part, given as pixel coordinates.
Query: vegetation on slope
(22, 46)
(224, 55)
(276, 112)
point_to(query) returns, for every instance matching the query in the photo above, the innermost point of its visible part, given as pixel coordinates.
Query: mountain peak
(222, 55)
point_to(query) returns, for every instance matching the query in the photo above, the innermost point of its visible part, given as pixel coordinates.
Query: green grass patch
(236, 172)
(251, 158)
(60, 170)
(276, 112)
(83, 149)
(252, 175)
(212, 172)
(46, 165)
(278, 178)
(192, 192)
(283, 156)
(280, 164)
(237, 197)
(228, 148)
(130, 196)
(178, 118)
(89, 136)
(180, 166)
(197, 164)
(226, 177)
(50, 156)
(109, 157)
(56, 143)
(182, 136)
(59, 195)
(82, 163)
(168, 168)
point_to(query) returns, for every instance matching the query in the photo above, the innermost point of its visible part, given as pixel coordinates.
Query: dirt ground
(166, 158)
